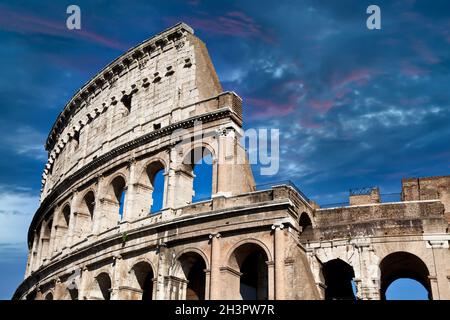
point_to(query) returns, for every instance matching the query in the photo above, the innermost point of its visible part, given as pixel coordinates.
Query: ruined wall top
(163, 80)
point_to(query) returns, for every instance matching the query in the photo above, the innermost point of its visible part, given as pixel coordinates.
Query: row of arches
(399, 271)
(250, 261)
(189, 280)
(75, 220)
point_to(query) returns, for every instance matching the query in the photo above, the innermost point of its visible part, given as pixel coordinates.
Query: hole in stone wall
(338, 279)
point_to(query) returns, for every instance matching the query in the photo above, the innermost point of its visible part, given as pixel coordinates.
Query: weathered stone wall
(428, 188)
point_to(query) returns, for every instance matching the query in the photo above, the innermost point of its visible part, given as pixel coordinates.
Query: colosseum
(137, 117)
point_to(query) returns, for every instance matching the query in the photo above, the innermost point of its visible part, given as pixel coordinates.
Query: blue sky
(354, 107)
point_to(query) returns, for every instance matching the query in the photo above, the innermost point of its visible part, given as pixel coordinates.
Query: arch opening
(251, 261)
(154, 181)
(102, 290)
(339, 277)
(84, 220)
(198, 165)
(403, 265)
(49, 296)
(305, 223)
(118, 186)
(45, 240)
(193, 271)
(144, 276)
(406, 289)
(88, 204)
(73, 293)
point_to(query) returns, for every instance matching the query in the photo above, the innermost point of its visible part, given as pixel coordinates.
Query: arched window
(193, 271)
(408, 268)
(251, 261)
(63, 227)
(406, 289)
(102, 287)
(89, 204)
(49, 296)
(305, 222)
(144, 276)
(339, 277)
(153, 186)
(85, 217)
(45, 240)
(119, 191)
(198, 169)
(73, 293)
(158, 192)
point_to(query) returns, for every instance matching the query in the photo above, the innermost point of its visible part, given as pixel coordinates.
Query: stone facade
(140, 115)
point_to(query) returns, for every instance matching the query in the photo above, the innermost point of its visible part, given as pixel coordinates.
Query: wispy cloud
(25, 141)
(17, 210)
(27, 23)
(233, 23)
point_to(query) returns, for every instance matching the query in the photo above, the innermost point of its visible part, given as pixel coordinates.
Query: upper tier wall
(153, 85)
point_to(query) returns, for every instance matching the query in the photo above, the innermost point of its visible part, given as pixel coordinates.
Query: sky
(354, 107)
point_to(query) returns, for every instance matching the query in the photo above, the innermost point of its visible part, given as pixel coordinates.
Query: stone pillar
(116, 276)
(160, 292)
(70, 233)
(130, 211)
(34, 250)
(279, 249)
(271, 280)
(170, 180)
(439, 281)
(215, 282)
(84, 284)
(368, 283)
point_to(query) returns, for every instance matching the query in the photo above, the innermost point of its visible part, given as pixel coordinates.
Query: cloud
(23, 22)
(17, 209)
(233, 23)
(25, 141)
(262, 108)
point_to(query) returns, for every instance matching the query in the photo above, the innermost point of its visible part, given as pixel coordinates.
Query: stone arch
(186, 178)
(72, 294)
(62, 227)
(338, 276)
(48, 296)
(46, 233)
(245, 241)
(116, 193)
(146, 191)
(402, 264)
(84, 223)
(249, 274)
(195, 250)
(191, 270)
(143, 278)
(305, 223)
(101, 286)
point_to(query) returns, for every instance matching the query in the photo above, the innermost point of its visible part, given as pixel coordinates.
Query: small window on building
(156, 126)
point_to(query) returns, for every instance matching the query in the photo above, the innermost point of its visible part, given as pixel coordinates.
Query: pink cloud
(410, 70)
(306, 122)
(359, 76)
(267, 108)
(424, 52)
(29, 24)
(233, 23)
(321, 106)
